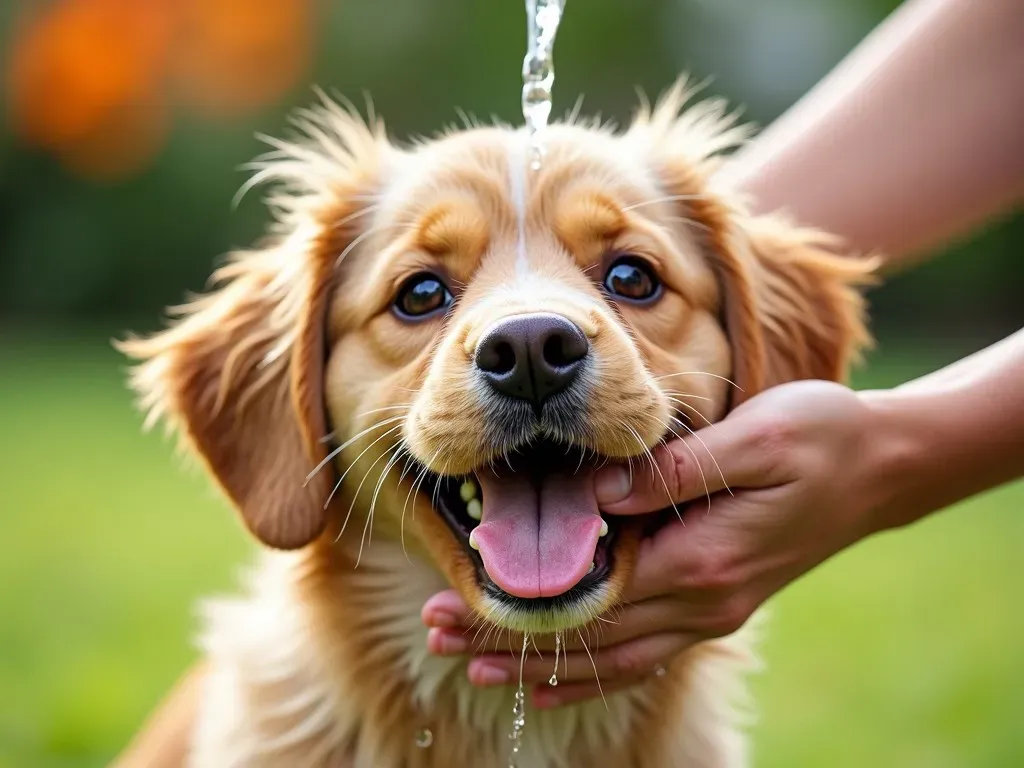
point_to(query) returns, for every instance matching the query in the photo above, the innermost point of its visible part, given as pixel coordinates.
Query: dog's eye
(422, 295)
(631, 278)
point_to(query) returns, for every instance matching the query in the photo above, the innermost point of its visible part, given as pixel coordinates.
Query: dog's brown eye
(632, 279)
(422, 295)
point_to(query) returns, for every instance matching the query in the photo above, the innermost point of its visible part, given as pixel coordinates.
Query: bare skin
(913, 139)
(917, 137)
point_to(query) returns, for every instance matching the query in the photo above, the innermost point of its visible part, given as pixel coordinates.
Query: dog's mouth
(530, 524)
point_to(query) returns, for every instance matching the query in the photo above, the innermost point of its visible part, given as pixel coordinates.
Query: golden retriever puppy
(410, 386)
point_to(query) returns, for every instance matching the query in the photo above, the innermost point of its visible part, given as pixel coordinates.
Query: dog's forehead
(492, 168)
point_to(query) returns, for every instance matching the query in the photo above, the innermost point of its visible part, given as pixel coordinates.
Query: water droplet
(542, 19)
(553, 680)
(519, 710)
(424, 738)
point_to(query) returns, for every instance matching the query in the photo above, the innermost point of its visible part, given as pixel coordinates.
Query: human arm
(163, 741)
(914, 138)
(813, 467)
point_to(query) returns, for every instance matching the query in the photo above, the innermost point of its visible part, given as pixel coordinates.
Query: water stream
(542, 19)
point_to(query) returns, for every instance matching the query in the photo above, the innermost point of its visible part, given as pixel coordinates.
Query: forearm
(950, 435)
(163, 741)
(914, 138)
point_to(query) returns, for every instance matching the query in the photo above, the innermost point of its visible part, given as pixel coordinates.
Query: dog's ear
(240, 374)
(792, 304)
(790, 301)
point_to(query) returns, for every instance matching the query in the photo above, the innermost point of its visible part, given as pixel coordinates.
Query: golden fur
(323, 661)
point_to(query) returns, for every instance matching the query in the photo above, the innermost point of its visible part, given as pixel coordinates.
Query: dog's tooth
(591, 569)
(474, 509)
(604, 527)
(467, 491)
(472, 540)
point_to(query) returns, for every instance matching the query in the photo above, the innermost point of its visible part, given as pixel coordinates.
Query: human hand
(790, 478)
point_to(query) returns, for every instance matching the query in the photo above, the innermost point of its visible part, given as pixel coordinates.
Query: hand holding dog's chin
(789, 479)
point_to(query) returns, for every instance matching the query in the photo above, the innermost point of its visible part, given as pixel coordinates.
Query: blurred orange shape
(80, 59)
(127, 139)
(90, 79)
(242, 54)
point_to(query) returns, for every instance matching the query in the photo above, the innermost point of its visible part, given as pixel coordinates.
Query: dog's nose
(532, 357)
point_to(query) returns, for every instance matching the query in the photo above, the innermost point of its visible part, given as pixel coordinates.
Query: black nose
(531, 357)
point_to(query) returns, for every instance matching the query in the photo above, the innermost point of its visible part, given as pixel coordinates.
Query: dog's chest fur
(318, 665)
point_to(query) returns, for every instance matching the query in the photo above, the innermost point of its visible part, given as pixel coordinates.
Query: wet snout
(532, 356)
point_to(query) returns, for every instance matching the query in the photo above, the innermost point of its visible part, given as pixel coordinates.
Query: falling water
(553, 680)
(519, 710)
(542, 18)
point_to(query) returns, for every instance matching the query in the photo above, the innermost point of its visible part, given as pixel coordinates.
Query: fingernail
(442, 643)
(611, 485)
(482, 673)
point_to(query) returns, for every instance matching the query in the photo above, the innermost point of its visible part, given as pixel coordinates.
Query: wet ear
(240, 375)
(792, 304)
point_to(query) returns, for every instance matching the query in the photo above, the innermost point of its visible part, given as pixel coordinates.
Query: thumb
(678, 471)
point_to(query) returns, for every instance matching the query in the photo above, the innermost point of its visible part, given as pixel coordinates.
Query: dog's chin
(590, 580)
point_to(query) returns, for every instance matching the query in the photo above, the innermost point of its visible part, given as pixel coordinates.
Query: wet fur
(321, 662)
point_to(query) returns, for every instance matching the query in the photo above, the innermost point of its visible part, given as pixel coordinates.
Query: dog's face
(445, 344)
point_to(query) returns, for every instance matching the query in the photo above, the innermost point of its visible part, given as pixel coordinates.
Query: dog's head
(443, 344)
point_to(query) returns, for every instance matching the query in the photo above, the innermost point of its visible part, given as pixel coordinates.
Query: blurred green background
(124, 124)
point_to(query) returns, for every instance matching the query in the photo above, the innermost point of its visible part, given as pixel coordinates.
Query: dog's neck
(387, 656)
(329, 660)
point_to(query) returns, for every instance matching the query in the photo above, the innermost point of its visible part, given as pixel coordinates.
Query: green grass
(905, 651)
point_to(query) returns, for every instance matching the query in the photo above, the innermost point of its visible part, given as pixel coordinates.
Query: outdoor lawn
(907, 651)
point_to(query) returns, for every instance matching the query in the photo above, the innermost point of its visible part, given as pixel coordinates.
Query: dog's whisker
(690, 223)
(351, 465)
(657, 470)
(703, 478)
(597, 677)
(721, 474)
(364, 211)
(396, 457)
(414, 488)
(359, 488)
(699, 373)
(355, 244)
(695, 412)
(687, 395)
(400, 406)
(326, 460)
(401, 478)
(666, 199)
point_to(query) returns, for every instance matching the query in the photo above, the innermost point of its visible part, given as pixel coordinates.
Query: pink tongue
(538, 544)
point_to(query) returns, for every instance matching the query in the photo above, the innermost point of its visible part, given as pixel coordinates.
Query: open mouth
(530, 524)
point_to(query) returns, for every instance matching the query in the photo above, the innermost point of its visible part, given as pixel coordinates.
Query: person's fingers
(548, 697)
(694, 560)
(628, 622)
(446, 609)
(607, 664)
(665, 561)
(714, 459)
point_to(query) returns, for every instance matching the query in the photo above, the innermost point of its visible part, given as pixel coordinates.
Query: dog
(409, 386)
